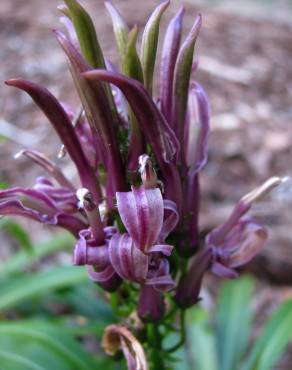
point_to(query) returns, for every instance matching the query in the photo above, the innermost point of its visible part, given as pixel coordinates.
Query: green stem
(154, 344)
(182, 336)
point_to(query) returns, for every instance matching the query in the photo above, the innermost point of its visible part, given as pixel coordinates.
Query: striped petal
(141, 211)
(127, 260)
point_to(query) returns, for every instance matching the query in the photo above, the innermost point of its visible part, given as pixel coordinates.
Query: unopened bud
(86, 201)
(148, 174)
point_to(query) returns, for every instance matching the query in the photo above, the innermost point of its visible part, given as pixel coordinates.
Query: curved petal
(86, 251)
(161, 283)
(100, 276)
(253, 239)
(162, 248)
(160, 278)
(171, 219)
(141, 211)
(223, 271)
(197, 128)
(127, 260)
(30, 198)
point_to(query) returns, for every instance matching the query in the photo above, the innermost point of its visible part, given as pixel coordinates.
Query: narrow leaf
(120, 27)
(17, 232)
(149, 43)
(182, 75)
(16, 361)
(272, 341)
(131, 62)
(201, 340)
(48, 341)
(15, 291)
(132, 68)
(86, 34)
(22, 260)
(233, 322)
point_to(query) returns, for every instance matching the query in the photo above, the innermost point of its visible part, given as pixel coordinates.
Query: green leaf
(42, 346)
(12, 361)
(15, 291)
(120, 27)
(182, 75)
(86, 34)
(272, 341)
(201, 340)
(233, 322)
(18, 233)
(4, 185)
(22, 260)
(149, 44)
(131, 62)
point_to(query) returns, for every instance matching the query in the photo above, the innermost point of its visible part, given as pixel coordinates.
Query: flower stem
(182, 336)
(154, 342)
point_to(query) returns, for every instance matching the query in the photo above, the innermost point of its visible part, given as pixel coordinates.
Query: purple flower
(236, 241)
(139, 255)
(232, 244)
(45, 202)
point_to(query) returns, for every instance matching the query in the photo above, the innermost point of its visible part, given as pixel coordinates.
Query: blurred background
(244, 53)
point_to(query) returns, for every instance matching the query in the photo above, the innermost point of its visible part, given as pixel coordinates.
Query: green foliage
(223, 344)
(86, 34)
(16, 290)
(272, 341)
(28, 256)
(17, 232)
(150, 42)
(41, 345)
(233, 308)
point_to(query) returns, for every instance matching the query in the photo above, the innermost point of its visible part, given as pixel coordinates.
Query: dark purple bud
(151, 306)
(168, 59)
(153, 125)
(100, 117)
(62, 124)
(188, 290)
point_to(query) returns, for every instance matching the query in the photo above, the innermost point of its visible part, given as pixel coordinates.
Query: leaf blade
(15, 291)
(233, 322)
(272, 340)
